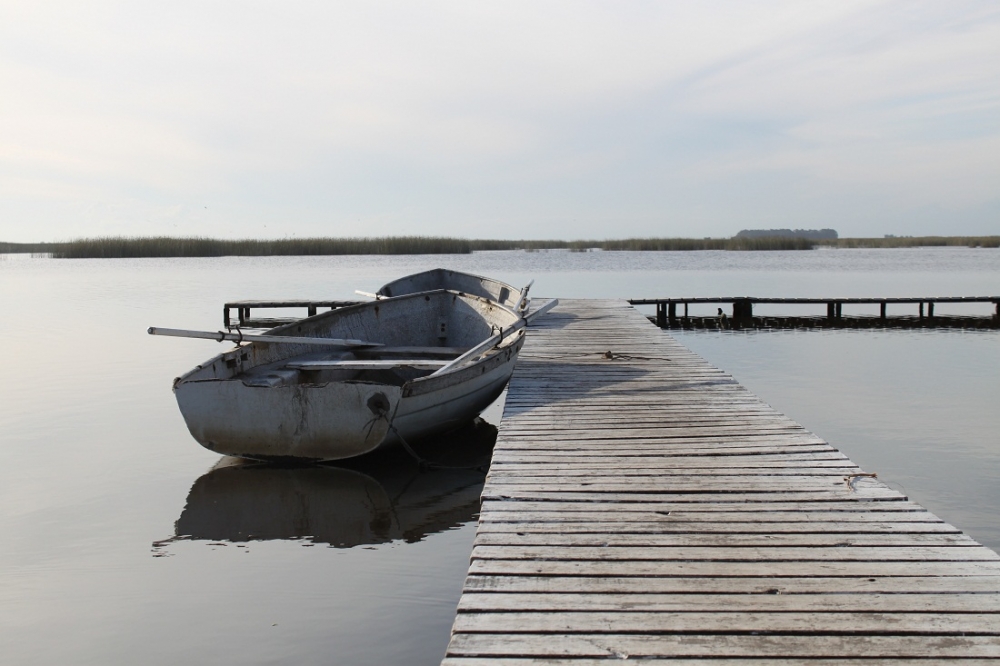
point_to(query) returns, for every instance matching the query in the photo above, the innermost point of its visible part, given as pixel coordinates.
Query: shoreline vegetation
(120, 247)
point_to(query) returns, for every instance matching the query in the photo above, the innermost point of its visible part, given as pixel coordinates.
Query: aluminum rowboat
(410, 366)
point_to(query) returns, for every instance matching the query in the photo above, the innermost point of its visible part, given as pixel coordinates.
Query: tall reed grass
(163, 246)
(29, 248)
(689, 244)
(125, 247)
(109, 247)
(915, 241)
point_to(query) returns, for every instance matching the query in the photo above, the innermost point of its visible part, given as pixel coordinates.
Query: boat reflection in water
(378, 498)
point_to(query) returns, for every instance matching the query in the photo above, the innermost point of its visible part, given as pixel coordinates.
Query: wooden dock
(642, 505)
(667, 315)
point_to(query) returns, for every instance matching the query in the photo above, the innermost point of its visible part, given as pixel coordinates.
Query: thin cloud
(556, 119)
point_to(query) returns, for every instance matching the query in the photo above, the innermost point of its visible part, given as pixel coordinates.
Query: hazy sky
(504, 120)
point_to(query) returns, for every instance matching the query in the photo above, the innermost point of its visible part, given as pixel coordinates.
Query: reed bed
(691, 244)
(163, 246)
(126, 247)
(915, 241)
(115, 247)
(29, 248)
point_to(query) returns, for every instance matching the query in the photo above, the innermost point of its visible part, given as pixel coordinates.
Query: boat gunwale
(286, 329)
(514, 295)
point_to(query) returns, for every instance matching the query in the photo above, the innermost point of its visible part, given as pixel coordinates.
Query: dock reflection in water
(376, 499)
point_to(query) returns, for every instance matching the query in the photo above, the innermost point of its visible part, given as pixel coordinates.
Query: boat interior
(441, 278)
(410, 337)
(384, 365)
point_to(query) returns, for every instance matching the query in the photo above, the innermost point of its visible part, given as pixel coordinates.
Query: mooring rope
(422, 462)
(429, 465)
(851, 478)
(608, 355)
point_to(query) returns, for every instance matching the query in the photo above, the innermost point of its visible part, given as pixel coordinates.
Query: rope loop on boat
(496, 330)
(223, 334)
(380, 409)
(378, 404)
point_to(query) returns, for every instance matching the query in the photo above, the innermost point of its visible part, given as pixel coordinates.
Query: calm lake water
(122, 541)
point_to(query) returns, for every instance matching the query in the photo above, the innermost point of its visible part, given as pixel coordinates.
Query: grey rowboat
(407, 367)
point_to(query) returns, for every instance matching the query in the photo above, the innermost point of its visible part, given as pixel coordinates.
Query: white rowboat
(431, 362)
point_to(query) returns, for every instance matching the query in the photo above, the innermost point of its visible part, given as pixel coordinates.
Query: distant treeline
(124, 247)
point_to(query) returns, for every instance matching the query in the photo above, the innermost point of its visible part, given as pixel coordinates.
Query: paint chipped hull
(299, 421)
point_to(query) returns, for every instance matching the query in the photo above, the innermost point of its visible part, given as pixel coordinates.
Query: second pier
(916, 312)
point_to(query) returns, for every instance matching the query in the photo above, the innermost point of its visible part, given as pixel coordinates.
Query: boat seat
(441, 352)
(371, 364)
(271, 378)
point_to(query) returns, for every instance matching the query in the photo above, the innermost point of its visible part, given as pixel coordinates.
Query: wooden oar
(495, 339)
(219, 336)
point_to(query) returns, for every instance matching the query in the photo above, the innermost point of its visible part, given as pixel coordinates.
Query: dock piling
(245, 321)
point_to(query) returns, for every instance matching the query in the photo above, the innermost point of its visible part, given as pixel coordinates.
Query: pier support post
(882, 310)
(661, 315)
(742, 312)
(921, 309)
(672, 313)
(831, 310)
(225, 316)
(930, 310)
(839, 310)
(742, 308)
(311, 310)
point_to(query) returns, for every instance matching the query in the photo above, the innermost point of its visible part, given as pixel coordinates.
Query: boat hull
(451, 404)
(337, 420)
(265, 401)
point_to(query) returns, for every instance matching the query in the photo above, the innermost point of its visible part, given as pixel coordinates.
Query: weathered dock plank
(642, 504)
(853, 621)
(542, 645)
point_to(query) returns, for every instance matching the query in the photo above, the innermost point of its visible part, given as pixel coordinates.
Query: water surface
(125, 542)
